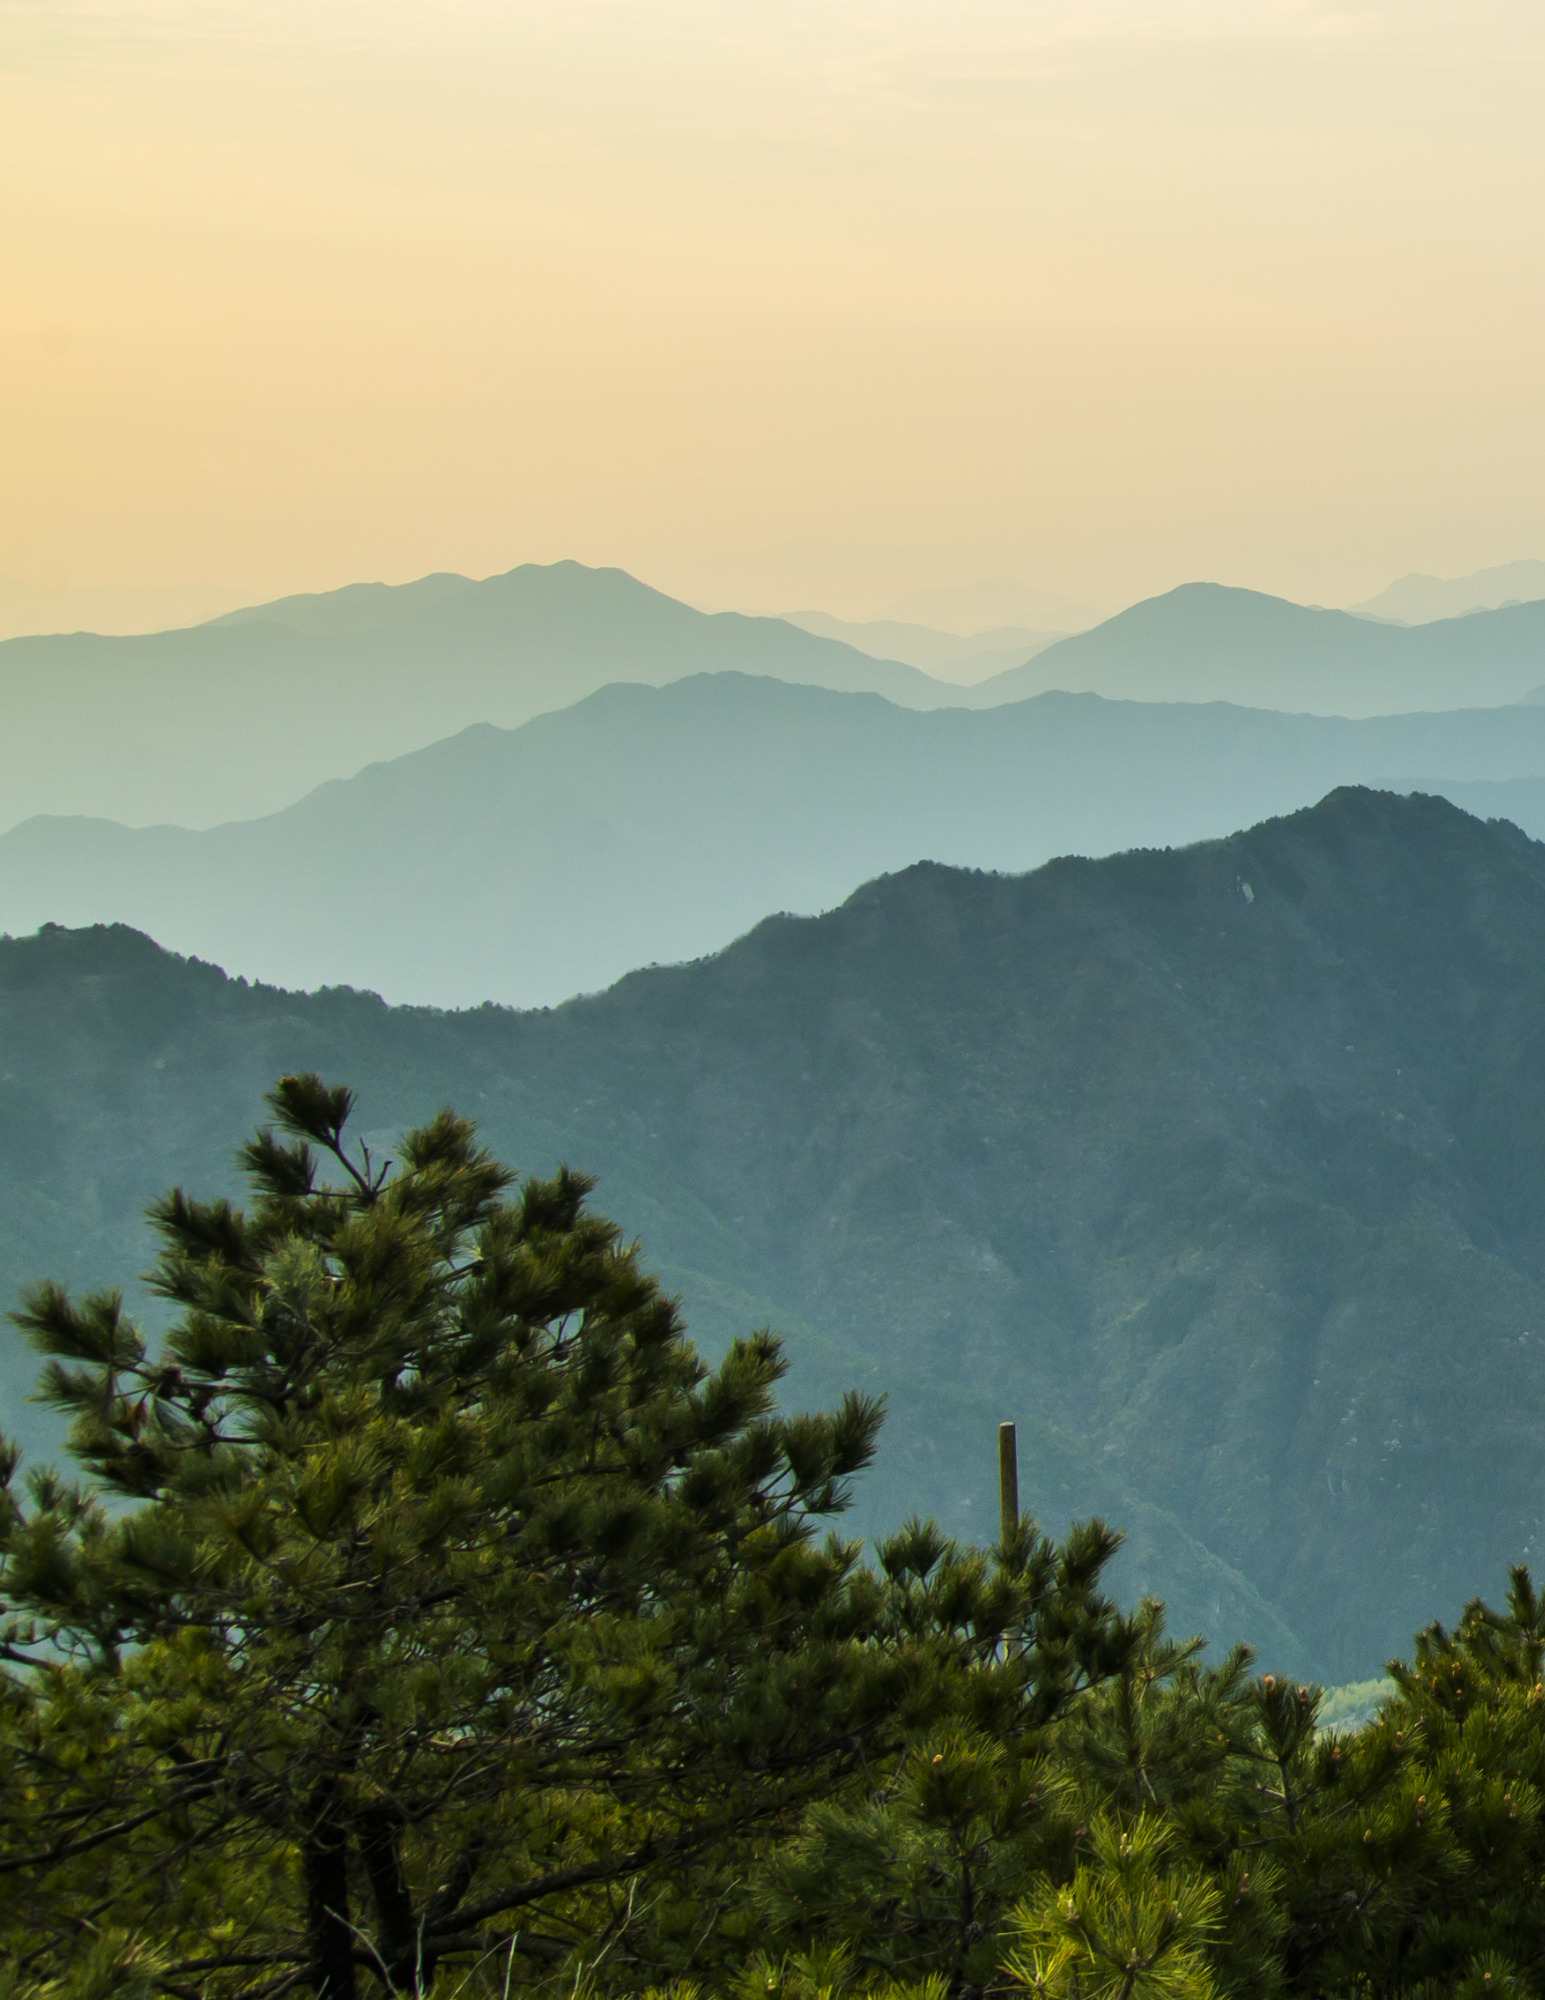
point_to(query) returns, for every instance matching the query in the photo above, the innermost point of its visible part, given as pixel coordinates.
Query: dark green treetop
(431, 1605)
(452, 1580)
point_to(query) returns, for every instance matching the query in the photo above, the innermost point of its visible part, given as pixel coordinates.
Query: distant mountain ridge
(244, 715)
(29, 609)
(962, 659)
(1418, 599)
(1221, 1171)
(656, 824)
(1208, 642)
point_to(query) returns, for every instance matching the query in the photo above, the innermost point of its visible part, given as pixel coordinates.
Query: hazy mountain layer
(1207, 643)
(1218, 1170)
(1002, 600)
(649, 825)
(961, 658)
(240, 717)
(244, 715)
(27, 609)
(1417, 599)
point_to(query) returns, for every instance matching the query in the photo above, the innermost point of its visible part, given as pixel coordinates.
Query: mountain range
(1207, 642)
(963, 658)
(242, 716)
(648, 825)
(1218, 1170)
(1418, 598)
(245, 714)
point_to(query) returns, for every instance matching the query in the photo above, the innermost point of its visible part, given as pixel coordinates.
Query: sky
(778, 304)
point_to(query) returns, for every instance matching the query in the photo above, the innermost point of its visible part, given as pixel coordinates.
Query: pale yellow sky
(774, 303)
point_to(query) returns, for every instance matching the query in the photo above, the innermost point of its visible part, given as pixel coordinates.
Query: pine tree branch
(550, 1885)
(67, 1850)
(530, 1943)
(228, 1960)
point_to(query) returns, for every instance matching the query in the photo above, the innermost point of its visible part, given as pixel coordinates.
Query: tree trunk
(324, 1862)
(397, 1938)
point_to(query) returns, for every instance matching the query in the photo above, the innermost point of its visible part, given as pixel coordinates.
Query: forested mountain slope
(1219, 1170)
(243, 715)
(1206, 642)
(648, 825)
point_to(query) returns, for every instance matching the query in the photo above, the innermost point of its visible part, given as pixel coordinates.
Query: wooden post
(1008, 1482)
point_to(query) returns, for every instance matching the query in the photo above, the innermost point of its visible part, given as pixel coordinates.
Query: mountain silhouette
(241, 717)
(246, 714)
(1206, 642)
(1418, 598)
(1220, 1171)
(963, 659)
(656, 824)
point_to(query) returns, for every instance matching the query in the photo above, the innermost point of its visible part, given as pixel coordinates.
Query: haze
(776, 305)
(916, 636)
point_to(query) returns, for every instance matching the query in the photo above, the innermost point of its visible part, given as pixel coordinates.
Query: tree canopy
(428, 1617)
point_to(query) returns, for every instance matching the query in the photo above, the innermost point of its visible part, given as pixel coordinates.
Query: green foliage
(1236, 1207)
(431, 1620)
(430, 1604)
(1131, 1925)
(455, 1581)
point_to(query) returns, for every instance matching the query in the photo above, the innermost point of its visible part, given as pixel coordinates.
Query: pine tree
(1133, 1924)
(1463, 1842)
(914, 1872)
(429, 1611)
(442, 1598)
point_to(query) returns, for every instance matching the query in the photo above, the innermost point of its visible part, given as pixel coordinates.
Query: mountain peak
(1234, 1202)
(1217, 642)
